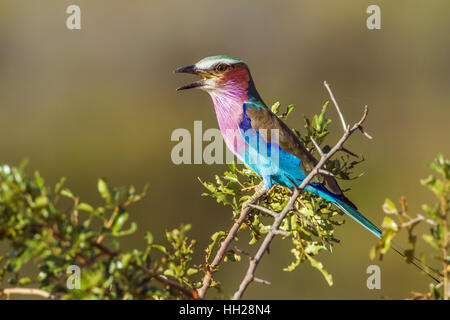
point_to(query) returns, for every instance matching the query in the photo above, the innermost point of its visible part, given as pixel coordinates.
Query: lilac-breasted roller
(241, 110)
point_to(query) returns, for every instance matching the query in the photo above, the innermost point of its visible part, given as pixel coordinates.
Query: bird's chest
(229, 117)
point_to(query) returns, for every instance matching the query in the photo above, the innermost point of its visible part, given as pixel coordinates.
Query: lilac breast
(229, 113)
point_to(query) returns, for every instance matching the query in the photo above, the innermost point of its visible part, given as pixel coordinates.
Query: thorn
(341, 116)
(365, 133)
(349, 152)
(295, 185)
(245, 253)
(281, 232)
(248, 188)
(261, 281)
(260, 208)
(317, 147)
(326, 172)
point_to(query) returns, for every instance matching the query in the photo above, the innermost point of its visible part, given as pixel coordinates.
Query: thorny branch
(318, 169)
(223, 249)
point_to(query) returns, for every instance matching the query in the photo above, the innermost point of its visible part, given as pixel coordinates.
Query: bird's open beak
(192, 69)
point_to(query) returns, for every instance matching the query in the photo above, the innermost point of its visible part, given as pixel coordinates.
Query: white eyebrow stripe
(209, 64)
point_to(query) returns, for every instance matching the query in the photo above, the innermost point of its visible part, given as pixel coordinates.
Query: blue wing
(264, 153)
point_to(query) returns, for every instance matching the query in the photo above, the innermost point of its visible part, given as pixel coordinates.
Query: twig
(28, 291)
(426, 296)
(175, 285)
(326, 172)
(75, 211)
(108, 224)
(244, 253)
(348, 131)
(102, 248)
(282, 233)
(412, 221)
(302, 216)
(270, 212)
(248, 188)
(341, 116)
(349, 152)
(261, 281)
(316, 146)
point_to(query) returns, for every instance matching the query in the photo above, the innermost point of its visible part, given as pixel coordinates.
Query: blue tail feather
(345, 205)
(358, 217)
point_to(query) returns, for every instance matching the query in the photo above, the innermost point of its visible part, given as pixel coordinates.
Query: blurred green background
(101, 102)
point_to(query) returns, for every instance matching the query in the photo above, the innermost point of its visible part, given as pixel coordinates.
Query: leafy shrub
(435, 216)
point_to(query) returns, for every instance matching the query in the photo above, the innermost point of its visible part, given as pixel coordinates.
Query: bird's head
(219, 74)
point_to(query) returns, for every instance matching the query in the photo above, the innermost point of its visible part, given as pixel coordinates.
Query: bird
(245, 122)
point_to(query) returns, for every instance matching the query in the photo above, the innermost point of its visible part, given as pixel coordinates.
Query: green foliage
(311, 228)
(435, 216)
(52, 229)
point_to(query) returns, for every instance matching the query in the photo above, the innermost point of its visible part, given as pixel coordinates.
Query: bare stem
(341, 116)
(27, 291)
(108, 224)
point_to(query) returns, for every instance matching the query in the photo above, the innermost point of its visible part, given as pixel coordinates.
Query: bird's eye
(222, 67)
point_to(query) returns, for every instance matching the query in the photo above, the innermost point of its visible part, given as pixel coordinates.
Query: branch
(224, 248)
(412, 221)
(318, 169)
(175, 285)
(268, 211)
(341, 116)
(316, 145)
(245, 253)
(28, 291)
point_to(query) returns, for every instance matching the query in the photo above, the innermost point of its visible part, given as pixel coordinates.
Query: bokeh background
(101, 102)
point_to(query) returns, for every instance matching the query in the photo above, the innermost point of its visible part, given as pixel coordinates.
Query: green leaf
(149, 238)
(24, 281)
(390, 224)
(431, 241)
(289, 110)
(314, 248)
(319, 266)
(119, 221)
(159, 247)
(104, 191)
(170, 273)
(275, 107)
(231, 255)
(191, 271)
(85, 207)
(67, 193)
(41, 202)
(389, 207)
(132, 229)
